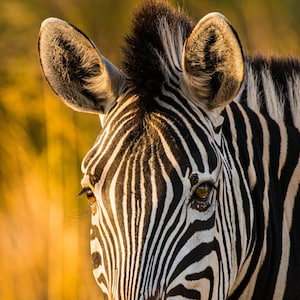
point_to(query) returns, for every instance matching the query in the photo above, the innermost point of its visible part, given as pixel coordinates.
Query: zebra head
(160, 177)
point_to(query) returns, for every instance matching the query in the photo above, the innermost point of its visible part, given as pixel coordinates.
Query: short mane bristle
(144, 49)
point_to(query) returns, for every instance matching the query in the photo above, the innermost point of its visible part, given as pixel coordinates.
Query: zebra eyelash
(195, 182)
(83, 191)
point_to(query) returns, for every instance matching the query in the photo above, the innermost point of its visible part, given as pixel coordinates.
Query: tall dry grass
(44, 226)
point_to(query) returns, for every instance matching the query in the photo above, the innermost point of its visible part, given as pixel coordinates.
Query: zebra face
(157, 174)
(154, 193)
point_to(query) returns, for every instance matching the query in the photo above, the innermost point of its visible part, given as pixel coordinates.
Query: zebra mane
(154, 47)
(273, 87)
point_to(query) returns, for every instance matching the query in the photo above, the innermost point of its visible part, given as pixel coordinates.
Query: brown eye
(200, 199)
(202, 191)
(89, 194)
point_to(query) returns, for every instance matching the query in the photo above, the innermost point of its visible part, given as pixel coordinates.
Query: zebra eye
(200, 199)
(89, 194)
(91, 198)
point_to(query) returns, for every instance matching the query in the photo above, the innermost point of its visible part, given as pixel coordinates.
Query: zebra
(193, 181)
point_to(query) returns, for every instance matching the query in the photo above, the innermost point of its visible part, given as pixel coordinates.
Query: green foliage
(44, 226)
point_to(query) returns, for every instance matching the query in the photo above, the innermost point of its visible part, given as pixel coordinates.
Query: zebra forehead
(157, 37)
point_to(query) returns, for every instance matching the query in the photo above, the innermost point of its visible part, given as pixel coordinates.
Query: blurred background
(44, 225)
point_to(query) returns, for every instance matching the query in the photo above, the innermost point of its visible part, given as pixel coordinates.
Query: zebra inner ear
(75, 69)
(213, 63)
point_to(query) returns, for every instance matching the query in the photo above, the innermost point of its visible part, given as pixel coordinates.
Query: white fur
(274, 98)
(253, 97)
(294, 96)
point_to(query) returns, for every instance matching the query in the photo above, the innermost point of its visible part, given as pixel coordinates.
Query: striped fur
(159, 143)
(145, 226)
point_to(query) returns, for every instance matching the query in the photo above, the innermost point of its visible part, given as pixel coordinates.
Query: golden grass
(44, 226)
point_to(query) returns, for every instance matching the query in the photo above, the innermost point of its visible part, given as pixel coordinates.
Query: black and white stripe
(189, 112)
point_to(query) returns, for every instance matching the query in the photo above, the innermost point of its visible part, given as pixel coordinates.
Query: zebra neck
(266, 147)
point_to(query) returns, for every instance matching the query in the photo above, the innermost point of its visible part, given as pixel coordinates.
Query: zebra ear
(75, 69)
(213, 63)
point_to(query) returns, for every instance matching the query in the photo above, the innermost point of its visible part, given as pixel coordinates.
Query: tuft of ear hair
(213, 62)
(76, 70)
